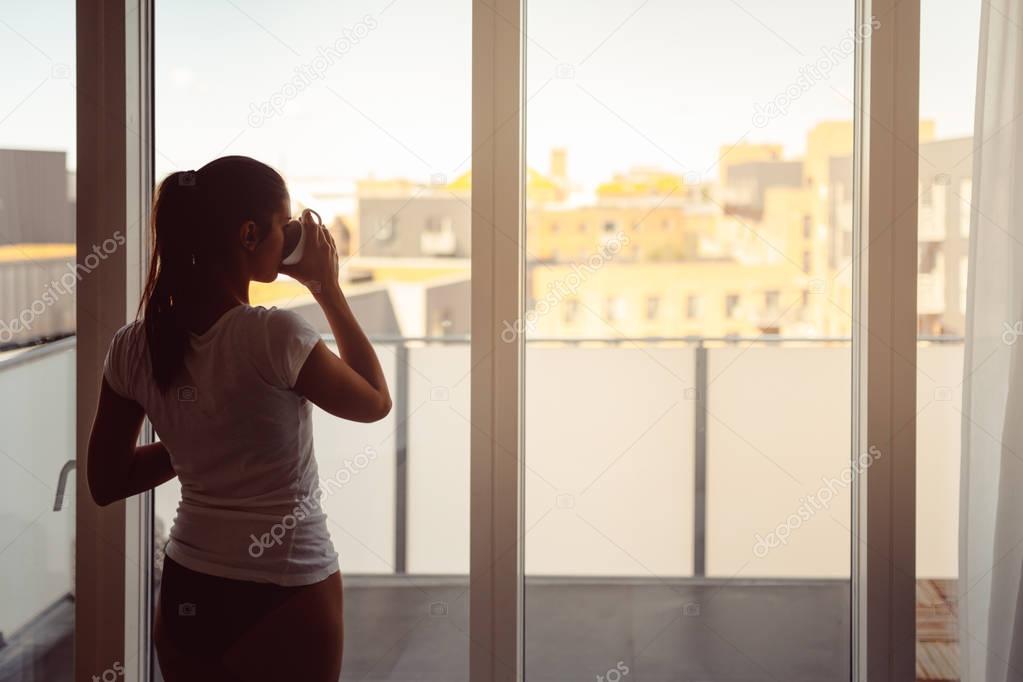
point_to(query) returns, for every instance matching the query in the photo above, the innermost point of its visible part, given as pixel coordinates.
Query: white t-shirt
(241, 442)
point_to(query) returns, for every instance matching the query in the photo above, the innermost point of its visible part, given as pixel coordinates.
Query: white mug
(294, 238)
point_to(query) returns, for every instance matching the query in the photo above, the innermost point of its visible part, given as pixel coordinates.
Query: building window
(554, 227)
(613, 309)
(653, 303)
(807, 227)
(771, 299)
(965, 197)
(924, 193)
(806, 261)
(731, 305)
(694, 306)
(610, 227)
(582, 227)
(964, 269)
(386, 229)
(438, 237)
(570, 310)
(937, 216)
(447, 321)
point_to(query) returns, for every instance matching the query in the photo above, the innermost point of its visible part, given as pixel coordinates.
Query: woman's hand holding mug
(317, 268)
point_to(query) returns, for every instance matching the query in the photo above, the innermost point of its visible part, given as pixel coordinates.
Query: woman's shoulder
(126, 351)
(272, 319)
(259, 312)
(129, 336)
(274, 329)
(281, 339)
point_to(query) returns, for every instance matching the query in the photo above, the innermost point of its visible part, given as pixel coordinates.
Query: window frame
(115, 142)
(886, 169)
(496, 594)
(140, 171)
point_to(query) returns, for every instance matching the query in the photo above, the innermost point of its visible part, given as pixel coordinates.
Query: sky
(618, 83)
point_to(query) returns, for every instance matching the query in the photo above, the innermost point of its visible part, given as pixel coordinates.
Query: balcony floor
(415, 629)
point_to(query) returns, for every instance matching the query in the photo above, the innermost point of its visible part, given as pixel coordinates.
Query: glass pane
(340, 99)
(37, 340)
(948, 75)
(688, 362)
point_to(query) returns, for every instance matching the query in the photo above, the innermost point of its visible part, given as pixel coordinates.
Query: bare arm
(351, 386)
(117, 467)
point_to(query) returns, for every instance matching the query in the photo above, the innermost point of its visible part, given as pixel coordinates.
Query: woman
(251, 588)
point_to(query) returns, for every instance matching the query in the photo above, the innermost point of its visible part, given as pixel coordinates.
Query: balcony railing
(680, 451)
(749, 427)
(780, 402)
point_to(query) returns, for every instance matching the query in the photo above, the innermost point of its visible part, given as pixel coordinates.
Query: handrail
(34, 353)
(697, 344)
(37, 352)
(773, 339)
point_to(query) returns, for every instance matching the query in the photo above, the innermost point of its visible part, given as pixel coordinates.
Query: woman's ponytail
(176, 211)
(193, 216)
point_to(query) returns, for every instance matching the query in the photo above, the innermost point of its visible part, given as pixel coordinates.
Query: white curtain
(991, 493)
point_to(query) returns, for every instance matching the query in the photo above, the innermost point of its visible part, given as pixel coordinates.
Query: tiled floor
(41, 652)
(417, 629)
(405, 630)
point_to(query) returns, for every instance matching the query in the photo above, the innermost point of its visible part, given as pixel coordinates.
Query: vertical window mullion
(138, 543)
(100, 302)
(498, 115)
(885, 339)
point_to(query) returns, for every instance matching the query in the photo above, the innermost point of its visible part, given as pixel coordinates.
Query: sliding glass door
(948, 76)
(38, 283)
(364, 108)
(649, 364)
(688, 367)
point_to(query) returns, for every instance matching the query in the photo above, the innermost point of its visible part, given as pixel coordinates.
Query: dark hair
(194, 221)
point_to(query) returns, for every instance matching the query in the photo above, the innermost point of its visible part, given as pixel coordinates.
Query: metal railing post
(700, 463)
(401, 415)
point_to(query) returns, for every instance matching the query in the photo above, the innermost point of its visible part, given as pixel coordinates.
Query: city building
(598, 299)
(429, 225)
(943, 216)
(37, 203)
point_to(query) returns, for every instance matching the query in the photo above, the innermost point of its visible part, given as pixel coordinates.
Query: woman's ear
(249, 235)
